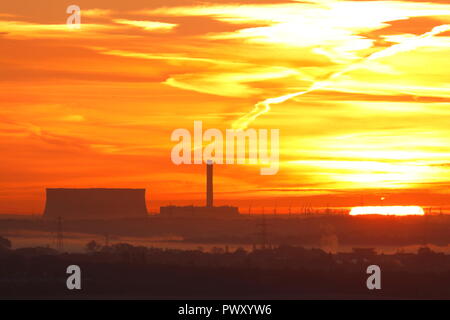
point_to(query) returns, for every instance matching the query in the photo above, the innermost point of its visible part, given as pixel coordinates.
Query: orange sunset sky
(95, 107)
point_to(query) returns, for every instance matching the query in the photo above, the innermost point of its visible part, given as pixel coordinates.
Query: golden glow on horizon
(388, 211)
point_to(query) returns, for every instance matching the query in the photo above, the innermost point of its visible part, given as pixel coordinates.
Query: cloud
(231, 84)
(162, 56)
(96, 12)
(263, 107)
(148, 25)
(19, 29)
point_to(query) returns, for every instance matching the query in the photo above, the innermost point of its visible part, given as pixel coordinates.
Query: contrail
(264, 106)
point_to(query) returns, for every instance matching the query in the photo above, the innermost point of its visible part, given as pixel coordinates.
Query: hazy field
(76, 242)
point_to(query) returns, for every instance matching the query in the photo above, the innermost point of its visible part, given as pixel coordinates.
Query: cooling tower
(95, 203)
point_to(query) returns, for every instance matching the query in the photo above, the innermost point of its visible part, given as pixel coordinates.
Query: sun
(388, 210)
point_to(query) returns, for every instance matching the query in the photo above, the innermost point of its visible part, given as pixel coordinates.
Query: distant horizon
(268, 210)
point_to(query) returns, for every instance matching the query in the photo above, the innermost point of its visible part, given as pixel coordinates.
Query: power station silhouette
(107, 203)
(209, 210)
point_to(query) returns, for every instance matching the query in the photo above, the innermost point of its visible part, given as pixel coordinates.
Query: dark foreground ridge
(285, 272)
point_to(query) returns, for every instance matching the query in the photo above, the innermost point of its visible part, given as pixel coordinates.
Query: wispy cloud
(148, 25)
(20, 29)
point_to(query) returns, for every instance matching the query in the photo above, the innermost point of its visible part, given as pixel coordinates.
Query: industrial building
(199, 212)
(208, 211)
(95, 203)
(101, 203)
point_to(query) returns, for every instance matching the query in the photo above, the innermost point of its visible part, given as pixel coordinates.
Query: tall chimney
(209, 184)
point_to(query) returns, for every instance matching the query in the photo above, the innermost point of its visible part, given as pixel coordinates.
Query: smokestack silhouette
(209, 184)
